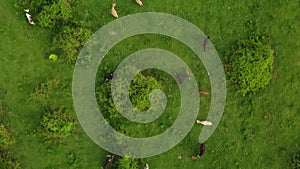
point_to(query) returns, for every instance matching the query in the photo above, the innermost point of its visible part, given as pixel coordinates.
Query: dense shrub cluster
(69, 35)
(56, 125)
(249, 65)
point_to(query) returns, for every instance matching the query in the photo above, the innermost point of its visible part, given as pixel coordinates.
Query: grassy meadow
(261, 131)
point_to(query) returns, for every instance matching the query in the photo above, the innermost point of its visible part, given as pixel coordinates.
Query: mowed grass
(262, 133)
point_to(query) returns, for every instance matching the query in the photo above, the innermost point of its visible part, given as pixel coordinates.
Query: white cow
(205, 123)
(28, 16)
(146, 166)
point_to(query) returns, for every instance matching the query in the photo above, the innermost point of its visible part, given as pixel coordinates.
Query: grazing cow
(205, 123)
(202, 150)
(113, 11)
(179, 78)
(203, 92)
(108, 161)
(187, 74)
(109, 77)
(139, 2)
(28, 16)
(205, 42)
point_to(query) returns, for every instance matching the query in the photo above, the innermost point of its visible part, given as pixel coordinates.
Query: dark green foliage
(56, 125)
(296, 161)
(249, 65)
(70, 41)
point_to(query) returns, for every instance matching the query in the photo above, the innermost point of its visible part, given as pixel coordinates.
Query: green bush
(296, 161)
(139, 91)
(5, 139)
(7, 162)
(128, 163)
(56, 124)
(55, 14)
(70, 41)
(43, 91)
(249, 65)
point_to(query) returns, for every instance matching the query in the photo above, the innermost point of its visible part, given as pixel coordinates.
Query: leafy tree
(249, 65)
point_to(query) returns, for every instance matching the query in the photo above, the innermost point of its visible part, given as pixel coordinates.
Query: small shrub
(249, 66)
(43, 91)
(56, 125)
(5, 138)
(73, 159)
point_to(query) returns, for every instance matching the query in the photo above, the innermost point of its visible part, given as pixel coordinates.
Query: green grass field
(262, 134)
